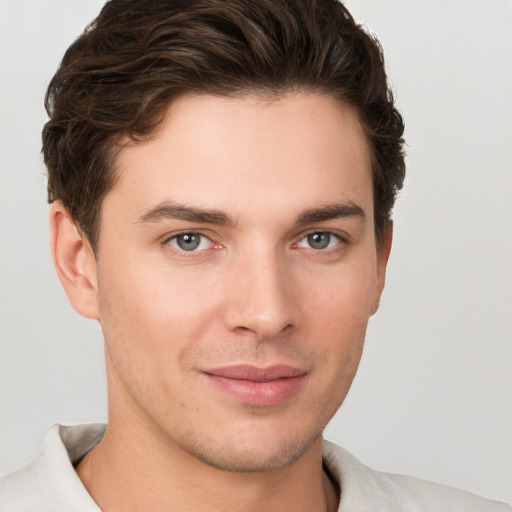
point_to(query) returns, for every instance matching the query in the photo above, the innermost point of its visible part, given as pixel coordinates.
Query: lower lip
(261, 394)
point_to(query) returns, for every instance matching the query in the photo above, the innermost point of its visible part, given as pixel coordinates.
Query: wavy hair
(118, 78)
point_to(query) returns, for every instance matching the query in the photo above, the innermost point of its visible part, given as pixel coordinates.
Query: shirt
(50, 482)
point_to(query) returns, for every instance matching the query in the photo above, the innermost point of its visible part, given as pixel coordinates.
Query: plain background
(433, 396)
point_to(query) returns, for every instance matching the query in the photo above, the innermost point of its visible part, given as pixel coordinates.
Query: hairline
(268, 95)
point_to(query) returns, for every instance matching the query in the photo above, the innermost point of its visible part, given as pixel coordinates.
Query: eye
(319, 240)
(190, 242)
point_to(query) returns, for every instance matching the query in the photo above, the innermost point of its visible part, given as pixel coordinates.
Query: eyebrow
(331, 211)
(170, 210)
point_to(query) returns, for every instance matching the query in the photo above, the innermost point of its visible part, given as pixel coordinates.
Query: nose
(260, 297)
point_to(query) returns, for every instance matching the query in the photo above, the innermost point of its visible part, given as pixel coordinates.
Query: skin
(255, 291)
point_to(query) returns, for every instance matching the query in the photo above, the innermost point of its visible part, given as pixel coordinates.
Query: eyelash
(339, 245)
(184, 252)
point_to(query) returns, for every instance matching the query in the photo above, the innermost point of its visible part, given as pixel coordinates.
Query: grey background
(433, 396)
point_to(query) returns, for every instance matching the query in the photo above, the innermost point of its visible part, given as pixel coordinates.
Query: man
(221, 177)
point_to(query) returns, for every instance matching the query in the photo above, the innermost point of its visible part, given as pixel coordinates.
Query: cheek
(148, 322)
(343, 297)
(338, 315)
(159, 300)
(153, 324)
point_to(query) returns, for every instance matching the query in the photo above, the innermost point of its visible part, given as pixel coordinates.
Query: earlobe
(74, 261)
(382, 263)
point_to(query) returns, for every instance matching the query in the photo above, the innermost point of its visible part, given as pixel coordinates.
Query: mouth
(256, 386)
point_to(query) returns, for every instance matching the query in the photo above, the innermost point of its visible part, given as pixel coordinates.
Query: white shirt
(50, 483)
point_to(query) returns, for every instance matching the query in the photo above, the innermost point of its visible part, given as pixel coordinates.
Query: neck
(130, 472)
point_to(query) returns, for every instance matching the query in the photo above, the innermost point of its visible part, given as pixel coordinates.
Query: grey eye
(319, 240)
(188, 241)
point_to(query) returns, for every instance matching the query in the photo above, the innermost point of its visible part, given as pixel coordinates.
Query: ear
(74, 261)
(382, 263)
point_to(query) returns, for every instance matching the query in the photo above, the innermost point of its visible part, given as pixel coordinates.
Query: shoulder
(50, 483)
(20, 491)
(366, 490)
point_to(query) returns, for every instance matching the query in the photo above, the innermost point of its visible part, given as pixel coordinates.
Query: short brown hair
(119, 76)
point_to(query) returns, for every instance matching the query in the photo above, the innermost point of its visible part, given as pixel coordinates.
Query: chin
(252, 456)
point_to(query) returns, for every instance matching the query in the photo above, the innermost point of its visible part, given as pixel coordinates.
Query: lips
(256, 386)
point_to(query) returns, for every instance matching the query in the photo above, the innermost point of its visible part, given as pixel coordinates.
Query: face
(236, 273)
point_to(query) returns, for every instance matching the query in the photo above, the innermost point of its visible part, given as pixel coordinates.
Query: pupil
(188, 241)
(319, 240)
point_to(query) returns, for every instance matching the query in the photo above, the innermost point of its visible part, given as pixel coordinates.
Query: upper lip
(256, 374)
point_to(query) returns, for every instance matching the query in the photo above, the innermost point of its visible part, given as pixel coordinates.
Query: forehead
(219, 152)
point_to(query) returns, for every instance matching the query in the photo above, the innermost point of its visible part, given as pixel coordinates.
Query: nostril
(262, 332)
(243, 330)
